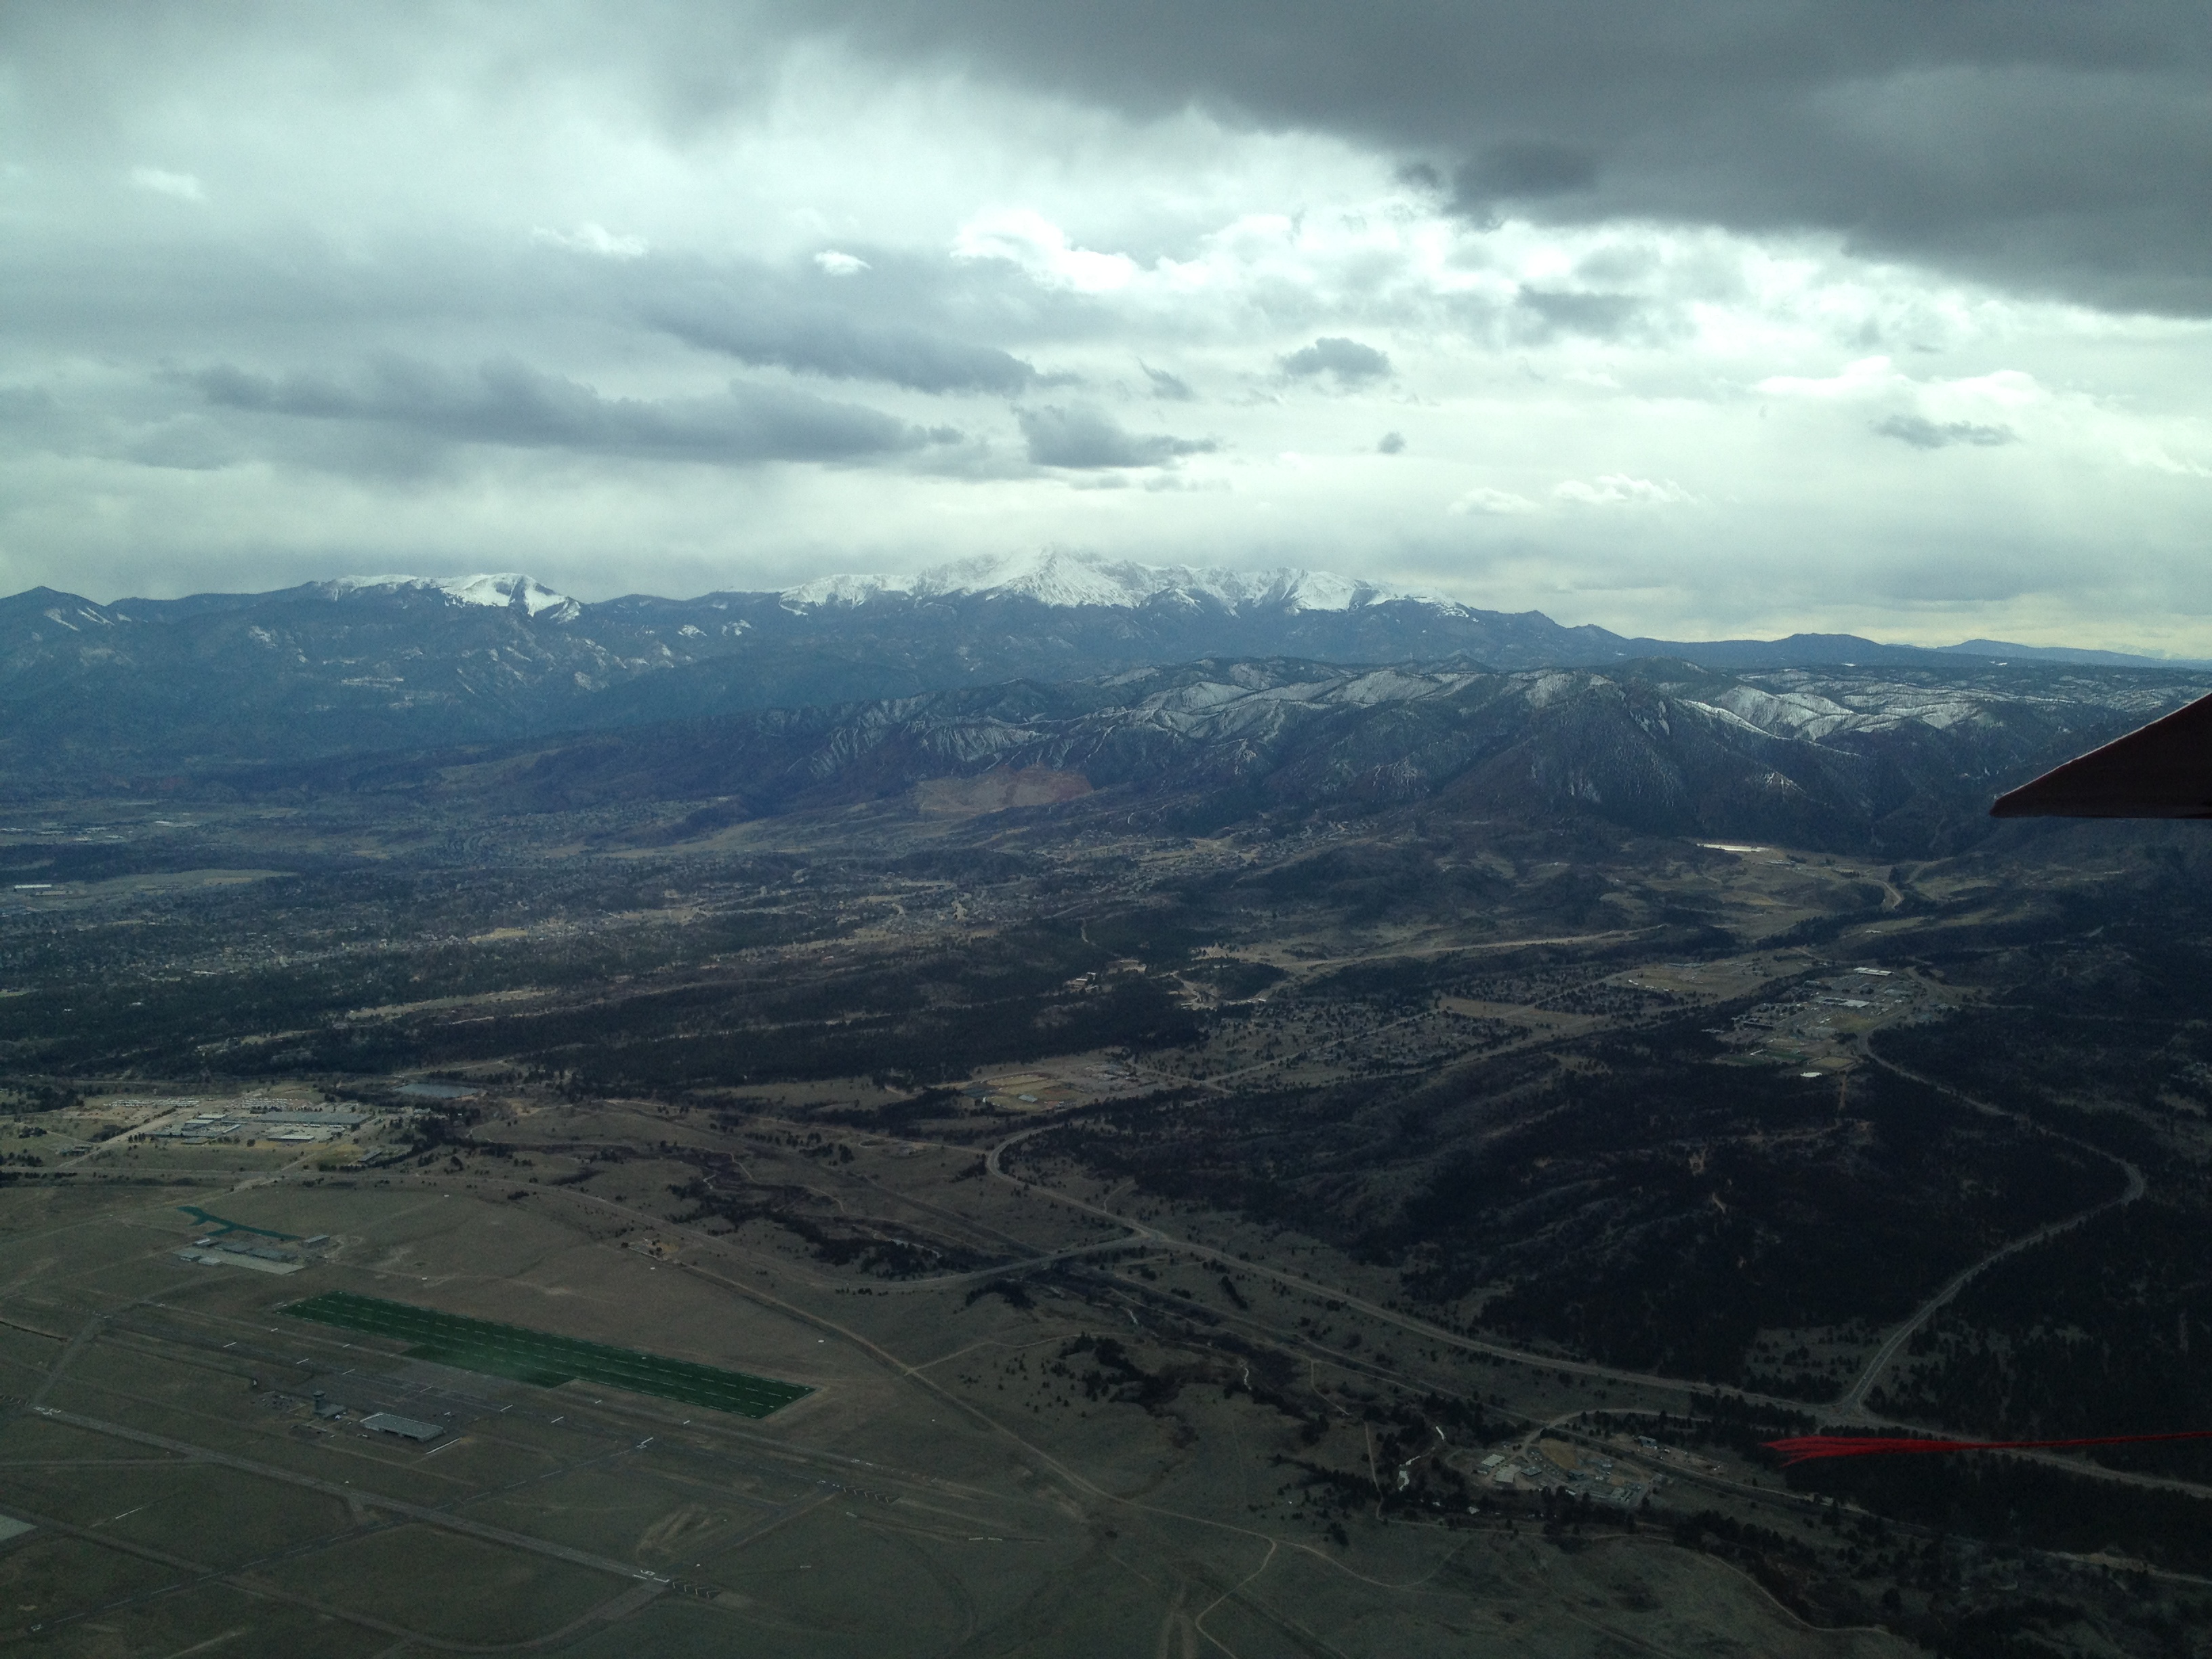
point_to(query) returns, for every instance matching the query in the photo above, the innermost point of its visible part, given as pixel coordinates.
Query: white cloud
(1619, 489)
(2006, 389)
(1483, 502)
(594, 239)
(1866, 376)
(1042, 249)
(2159, 460)
(181, 186)
(840, 265)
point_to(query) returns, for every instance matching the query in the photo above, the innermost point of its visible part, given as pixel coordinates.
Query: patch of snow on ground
(1793, 714)
(1727, 717)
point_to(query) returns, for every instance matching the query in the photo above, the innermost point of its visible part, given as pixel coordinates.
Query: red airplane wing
(2162, 770)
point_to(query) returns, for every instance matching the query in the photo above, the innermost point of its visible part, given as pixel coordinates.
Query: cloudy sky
(1715, 317)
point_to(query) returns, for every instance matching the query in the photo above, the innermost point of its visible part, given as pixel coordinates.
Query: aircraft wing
(2162, 770)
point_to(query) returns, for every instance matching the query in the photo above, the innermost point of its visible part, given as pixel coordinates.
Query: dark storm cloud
(1932, 434)
(914, 320)
(1172, 387)
(1348, 361)
(2049, 145)
(769, 332)
(1087, 438)
(1508, 175)
(902, 324)
(505, 402)
(1599, 316)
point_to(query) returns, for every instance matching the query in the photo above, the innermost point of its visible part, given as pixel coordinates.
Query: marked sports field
(539, 1357)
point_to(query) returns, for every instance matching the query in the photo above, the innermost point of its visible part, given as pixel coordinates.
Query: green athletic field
(539, 1356)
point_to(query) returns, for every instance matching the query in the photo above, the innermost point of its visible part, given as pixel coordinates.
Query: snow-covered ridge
(1811, 718)
(507, 590)
(1057, 576)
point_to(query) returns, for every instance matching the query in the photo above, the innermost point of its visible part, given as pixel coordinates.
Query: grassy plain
(949, 1480)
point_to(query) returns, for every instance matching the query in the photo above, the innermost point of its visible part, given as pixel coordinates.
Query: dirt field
(192, 1466)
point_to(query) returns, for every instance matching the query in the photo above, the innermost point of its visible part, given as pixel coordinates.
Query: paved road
(1421, 1328)
(1850, 1405)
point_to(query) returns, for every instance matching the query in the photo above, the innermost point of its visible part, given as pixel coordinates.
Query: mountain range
(141, 687)
(1897, 763)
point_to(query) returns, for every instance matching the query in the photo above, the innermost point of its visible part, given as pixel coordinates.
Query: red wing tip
(2161, 771)
(1809, 1448)
(2117, 804)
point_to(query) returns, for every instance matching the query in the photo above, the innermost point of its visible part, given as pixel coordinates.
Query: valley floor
(1352, 1235)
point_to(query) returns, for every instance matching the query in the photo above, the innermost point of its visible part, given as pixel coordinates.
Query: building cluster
(331, 1412)
(1554, 1466)
(247, 1120)
(1859, 994)
(405, 1428)
(263, 1252)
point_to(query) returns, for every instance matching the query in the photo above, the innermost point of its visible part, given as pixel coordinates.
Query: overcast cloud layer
(1703, 318)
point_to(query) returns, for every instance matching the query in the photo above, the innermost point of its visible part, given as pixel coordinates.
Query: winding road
(1850, 1405)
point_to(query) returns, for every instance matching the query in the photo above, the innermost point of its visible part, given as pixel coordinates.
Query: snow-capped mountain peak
(1063, 577)
(842, 590)
(507, 590)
